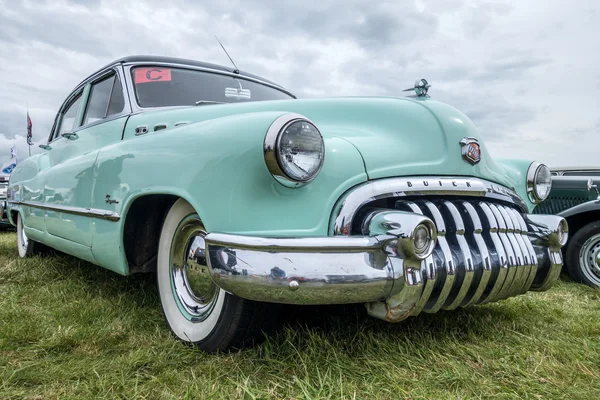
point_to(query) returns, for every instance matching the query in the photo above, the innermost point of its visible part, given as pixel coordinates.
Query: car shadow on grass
(338, 323)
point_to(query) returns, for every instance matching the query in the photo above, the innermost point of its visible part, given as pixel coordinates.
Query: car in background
(575, 197)
(575, 171)
(4, 222)
(240, 197)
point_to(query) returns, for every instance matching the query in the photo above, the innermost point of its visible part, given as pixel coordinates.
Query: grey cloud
(506, 70)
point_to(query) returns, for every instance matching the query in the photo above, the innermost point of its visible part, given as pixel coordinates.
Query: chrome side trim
(348, 205)
(86, 212)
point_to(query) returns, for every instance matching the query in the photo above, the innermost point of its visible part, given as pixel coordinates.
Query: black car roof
(174, 60)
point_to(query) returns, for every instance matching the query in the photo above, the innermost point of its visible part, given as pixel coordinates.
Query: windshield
(165, 87)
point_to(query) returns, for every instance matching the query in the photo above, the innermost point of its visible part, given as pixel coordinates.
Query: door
(98, 121)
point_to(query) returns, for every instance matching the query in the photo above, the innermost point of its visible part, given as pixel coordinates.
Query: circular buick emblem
(471, 151)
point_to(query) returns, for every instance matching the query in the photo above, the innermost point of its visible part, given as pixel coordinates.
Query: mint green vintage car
(239, 197)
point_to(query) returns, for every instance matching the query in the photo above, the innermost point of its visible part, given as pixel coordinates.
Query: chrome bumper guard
(479, 260)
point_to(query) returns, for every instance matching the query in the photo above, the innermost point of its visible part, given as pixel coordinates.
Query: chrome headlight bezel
(271, 150)
(532, 173)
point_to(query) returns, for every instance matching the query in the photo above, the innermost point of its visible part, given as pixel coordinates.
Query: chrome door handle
(70, 135)
(141, 130)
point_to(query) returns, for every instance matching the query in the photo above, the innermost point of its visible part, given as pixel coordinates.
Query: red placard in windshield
(151, 74)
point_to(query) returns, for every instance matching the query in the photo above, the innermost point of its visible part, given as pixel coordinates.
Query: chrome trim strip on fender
(86, 212)
(348, 205)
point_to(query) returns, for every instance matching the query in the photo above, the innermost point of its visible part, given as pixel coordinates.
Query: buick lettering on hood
(240, 198)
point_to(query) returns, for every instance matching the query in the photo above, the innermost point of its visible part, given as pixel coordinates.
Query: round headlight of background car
(294, 150)
(539, 182)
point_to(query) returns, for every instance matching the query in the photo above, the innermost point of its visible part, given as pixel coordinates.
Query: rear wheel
(583, 255)
(26, 246)
(197, 311)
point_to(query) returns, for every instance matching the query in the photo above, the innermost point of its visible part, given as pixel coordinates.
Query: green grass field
(69, 329)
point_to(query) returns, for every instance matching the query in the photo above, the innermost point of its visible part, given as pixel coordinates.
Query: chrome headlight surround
(532, 188)
(271, 150)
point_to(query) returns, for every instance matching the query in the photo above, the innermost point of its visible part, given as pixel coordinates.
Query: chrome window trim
(86, 212)
(115, 69)
(348, 205)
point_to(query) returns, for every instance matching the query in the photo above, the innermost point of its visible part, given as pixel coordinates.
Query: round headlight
(294, 150)
(539, 182)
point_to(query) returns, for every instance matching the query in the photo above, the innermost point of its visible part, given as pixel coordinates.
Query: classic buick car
(575, 197)
(238, 196)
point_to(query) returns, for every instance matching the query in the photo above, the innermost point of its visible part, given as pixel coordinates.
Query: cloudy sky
(527, 72)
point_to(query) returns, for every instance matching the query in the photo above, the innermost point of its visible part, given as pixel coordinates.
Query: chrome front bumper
(469, 266)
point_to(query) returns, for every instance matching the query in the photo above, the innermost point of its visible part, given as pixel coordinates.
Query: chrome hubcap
(193, 288)
(589, 259)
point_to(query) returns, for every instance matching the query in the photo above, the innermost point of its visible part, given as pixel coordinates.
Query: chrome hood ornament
(421, 87)
(471, 150)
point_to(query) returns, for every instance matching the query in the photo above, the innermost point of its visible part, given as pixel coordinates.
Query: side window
(116, 102)
(98, 103)
(67, 122)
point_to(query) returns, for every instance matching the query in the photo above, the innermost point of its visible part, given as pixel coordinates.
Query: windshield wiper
(207, 102)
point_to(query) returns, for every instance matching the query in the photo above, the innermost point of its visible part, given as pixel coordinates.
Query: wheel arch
(142, 224)
(581, 217)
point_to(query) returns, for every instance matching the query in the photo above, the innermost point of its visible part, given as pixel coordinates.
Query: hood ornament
(420, 89)
(471, 150)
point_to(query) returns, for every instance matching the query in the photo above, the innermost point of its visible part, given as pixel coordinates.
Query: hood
(395, 136)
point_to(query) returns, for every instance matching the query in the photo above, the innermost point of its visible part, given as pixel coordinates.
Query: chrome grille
(482, 255)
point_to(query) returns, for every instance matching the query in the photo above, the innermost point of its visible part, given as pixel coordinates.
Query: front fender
(515, 170)
(590, 206)
(218, 166)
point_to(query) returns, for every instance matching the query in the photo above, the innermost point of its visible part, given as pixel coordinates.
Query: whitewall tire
(197, 311)
(26, 246)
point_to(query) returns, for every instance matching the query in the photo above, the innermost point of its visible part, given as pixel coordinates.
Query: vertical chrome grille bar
(448, 262)
(486, 263)
(524, 248)
(532, 254)
(523, 271)
(502, 257)
(510, 248)
(427, 268)
(466, 255)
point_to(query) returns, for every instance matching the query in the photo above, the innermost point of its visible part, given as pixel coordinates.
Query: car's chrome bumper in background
(472, 265)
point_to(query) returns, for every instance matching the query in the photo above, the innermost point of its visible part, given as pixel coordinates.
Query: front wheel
(583, 255)
(197, 311)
